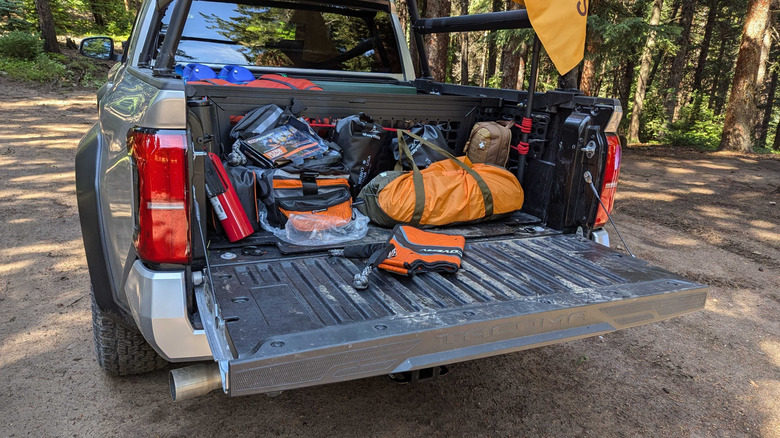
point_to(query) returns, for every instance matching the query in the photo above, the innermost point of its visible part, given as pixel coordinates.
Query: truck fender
(87, 165)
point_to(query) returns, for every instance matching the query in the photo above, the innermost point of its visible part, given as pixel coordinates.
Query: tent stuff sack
(489, 143)
(452, 191)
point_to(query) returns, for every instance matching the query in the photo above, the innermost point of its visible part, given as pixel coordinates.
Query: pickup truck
(268, 316)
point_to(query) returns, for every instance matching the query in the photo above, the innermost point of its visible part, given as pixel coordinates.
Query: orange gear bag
(451, 191)
(417, 251)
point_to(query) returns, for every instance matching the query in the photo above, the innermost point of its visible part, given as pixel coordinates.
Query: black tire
(120, 348)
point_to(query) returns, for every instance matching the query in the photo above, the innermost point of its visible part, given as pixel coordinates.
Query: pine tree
(741, 109)
(46, 24)
(644, 71)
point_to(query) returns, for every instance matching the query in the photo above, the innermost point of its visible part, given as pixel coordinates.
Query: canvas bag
(448, 192)
(489, 143)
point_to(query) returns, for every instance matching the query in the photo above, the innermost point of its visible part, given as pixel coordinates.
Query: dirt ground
(706, 216)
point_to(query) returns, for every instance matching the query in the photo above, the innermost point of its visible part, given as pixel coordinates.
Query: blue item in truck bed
(197, 72)
(236, 74)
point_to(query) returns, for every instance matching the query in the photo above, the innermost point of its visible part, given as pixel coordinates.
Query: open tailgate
(285, 322)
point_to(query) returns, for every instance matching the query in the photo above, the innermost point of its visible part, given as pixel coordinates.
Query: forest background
(701, 73)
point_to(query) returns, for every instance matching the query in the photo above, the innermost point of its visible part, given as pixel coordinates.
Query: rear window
(289, 35)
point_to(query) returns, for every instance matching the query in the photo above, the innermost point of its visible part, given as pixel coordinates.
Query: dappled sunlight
(679, 170)
(648, 196)
(760, 223)
(739, 309)
(63, 176)
(9, 268)
(702, 191)
(772, 349)
(769, 398)
(49, 335)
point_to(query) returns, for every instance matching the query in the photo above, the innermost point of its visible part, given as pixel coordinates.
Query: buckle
(309, 175)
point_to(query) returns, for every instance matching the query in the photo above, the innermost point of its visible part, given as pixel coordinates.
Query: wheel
(120, 348)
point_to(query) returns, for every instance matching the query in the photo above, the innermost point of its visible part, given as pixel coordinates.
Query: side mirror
(98, 48)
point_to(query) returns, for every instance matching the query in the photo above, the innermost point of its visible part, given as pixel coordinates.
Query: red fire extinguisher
(225, 201)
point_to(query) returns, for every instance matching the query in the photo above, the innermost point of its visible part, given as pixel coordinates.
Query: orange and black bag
(417, 251)
(450, 191)
(409, 251)
(313, 196)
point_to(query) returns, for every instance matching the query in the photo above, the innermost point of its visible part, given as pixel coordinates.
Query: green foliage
(697, 126)
(652, 118)
(49, 68)
(42, 69)
(20, 45)
(12, 16)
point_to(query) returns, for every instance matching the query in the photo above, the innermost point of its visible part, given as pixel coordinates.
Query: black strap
(214, 184)
(417, 178)
(309, 183)
(487, 196)
(265, 78)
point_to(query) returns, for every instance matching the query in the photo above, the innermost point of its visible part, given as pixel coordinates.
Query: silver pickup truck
(268, 316)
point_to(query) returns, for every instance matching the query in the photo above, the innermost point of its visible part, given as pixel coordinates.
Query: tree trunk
(438, 43)
(588, 79)
(464, 47)
(510, 57)
(712, 16)
(521, 63)
(482, 75)
(716, 80)
(624, 92)
(762, 89)
(657, 63)
(644, 71)
(589, 65)
(678, 64)
(46, 24)
(492, 50)
(763, 127)
(766, 46)
(403, 18)
(776, 144)
(741, 109)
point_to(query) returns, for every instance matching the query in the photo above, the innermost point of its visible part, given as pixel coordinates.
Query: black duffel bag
(361, 141)
(423, 157)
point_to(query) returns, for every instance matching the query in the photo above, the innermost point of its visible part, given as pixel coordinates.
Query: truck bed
(277, 322)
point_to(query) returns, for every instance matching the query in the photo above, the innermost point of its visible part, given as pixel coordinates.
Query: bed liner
(278, 321)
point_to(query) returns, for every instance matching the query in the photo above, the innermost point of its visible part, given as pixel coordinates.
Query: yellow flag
(560, 25)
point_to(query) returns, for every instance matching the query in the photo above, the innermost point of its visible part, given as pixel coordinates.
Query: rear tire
(120, 348)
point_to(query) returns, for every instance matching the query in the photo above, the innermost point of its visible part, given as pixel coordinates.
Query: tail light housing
(611, 175)
(162, 233)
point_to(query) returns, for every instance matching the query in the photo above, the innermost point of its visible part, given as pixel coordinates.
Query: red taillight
(611, 174)
(163, 234)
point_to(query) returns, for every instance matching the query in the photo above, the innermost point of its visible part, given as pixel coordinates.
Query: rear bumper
(394, 345)
(159, 307)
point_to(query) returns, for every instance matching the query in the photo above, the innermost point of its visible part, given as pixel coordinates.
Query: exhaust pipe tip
(194, 381)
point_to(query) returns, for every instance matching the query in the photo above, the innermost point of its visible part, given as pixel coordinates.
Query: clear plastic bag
(317, 235)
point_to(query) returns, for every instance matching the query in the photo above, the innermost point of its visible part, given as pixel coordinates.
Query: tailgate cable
(589, 180)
